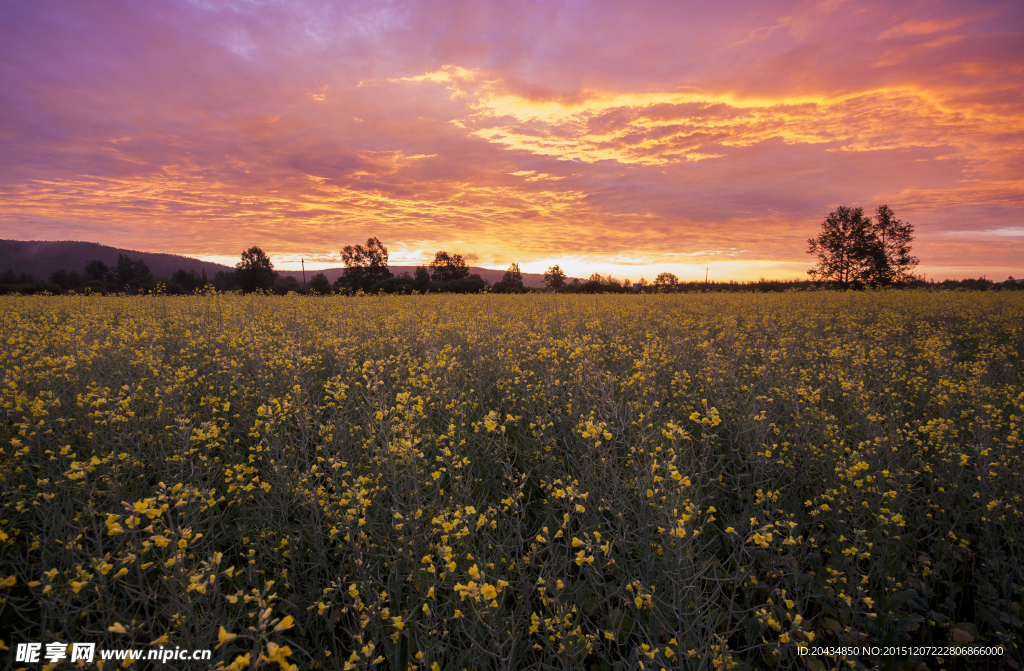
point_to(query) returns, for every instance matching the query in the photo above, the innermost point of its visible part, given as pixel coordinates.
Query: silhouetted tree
(128, 270)
(225, 280)
(188, 280)
(255, 272)
(666, 280)
(66, 280)
(511, 283)
(132, 275)
(286, 284)
(401, 284)
(319, 284)
(446, 267)
(25, 283)
(364, 266)
(97, 271)
(853, 250)
(846, 248)
(421, 279)
(892, 262)
(554, 278)
(595, 284)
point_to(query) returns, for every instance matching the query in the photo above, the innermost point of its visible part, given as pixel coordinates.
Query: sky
(626, 138)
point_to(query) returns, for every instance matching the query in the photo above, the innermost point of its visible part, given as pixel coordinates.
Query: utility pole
(303, 274)
(706, 270)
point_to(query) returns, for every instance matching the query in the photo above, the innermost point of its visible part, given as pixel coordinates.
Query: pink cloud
(525, 131)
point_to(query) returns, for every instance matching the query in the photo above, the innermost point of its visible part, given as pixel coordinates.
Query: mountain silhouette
(40, 258)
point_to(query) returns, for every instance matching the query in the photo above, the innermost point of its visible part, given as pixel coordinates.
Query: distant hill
(41, 258)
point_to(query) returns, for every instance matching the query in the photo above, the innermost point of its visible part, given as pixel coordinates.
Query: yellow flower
(287, 623)
(276, 653)
(488, 592)
(223, 636)
(117, 628)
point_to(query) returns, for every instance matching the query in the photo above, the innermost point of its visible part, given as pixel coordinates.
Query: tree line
(366, 270)
(128, 275)
(853, 251)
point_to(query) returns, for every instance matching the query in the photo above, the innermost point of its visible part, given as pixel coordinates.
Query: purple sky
(615, 137)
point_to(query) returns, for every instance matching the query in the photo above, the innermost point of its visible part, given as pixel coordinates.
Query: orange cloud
(923, 27)
(674, 135)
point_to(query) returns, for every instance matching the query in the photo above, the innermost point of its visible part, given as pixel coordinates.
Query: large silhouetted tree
(893, 263)
(364, 266)
(446, 267)
(511, 283)
(255, 272)
(844, 247)
(853, 250)
(554, 278)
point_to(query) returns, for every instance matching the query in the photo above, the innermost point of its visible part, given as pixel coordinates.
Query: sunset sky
(621, 137)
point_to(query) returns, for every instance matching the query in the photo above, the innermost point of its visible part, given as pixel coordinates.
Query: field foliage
(613, 482)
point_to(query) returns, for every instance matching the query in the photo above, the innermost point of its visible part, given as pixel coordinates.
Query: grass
(612, 482)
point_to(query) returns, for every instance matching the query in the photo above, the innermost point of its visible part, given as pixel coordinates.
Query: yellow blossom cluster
(538, 481)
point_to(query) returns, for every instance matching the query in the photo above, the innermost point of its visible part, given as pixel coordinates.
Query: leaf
(814, 664)
(961, 636)
(832, 625)
(899, 598)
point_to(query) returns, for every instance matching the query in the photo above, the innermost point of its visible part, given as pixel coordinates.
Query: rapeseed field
(515, 482)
